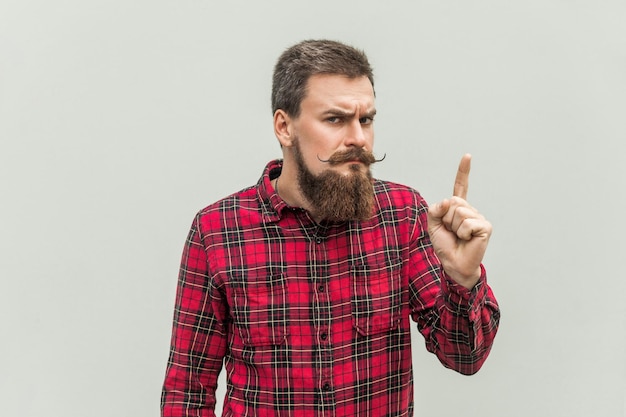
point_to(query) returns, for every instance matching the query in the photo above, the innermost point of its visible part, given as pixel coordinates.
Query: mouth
(352, 162)
(355, 167)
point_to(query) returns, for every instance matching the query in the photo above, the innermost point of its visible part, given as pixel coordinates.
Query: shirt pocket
(376, 296)
(259, 309)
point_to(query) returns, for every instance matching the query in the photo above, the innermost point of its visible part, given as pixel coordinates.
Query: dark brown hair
(298, 63)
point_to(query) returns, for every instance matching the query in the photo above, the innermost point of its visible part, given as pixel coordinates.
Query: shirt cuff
(462, 300)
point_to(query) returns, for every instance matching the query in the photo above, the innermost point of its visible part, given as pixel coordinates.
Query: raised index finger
(461, 183)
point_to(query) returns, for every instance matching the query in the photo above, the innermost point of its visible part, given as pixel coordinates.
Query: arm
(199, 337)
(458, 325)
(459, 233)
(454, 307)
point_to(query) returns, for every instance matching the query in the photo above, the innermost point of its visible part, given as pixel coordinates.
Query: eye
(333, 119)
(366, 120)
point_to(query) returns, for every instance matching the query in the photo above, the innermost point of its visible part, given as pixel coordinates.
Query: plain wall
(120, 119)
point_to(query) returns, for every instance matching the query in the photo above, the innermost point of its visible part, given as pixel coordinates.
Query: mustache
(352, 154)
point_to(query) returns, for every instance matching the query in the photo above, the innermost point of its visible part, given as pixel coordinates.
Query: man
(303, 285)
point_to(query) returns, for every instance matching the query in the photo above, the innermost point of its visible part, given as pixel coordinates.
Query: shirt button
(326, 387)
(320, 288)
(324, 336)
(318, 240)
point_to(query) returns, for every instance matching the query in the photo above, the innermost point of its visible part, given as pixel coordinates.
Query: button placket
(322, 317)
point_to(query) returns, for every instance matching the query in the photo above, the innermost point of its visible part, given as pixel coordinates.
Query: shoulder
(251, 199)
(228, 210)
(393, 195)
(402, 207)
(240, 198)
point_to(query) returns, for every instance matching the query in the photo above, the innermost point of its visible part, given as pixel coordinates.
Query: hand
(459, 233)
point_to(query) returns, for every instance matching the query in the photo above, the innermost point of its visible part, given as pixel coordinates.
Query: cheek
(322, 144)
(314, 165)
(369, 138)
(318, 141)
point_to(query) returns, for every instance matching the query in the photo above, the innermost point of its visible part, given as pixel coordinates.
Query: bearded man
(303, 286)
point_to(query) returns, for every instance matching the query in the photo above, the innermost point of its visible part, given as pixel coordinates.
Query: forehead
(325, 90)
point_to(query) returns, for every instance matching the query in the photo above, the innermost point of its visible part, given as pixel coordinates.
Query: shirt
(313, 319)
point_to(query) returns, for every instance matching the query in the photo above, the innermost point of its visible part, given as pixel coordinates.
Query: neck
(292, 200)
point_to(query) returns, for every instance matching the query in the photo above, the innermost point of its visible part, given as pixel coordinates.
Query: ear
(283, 128)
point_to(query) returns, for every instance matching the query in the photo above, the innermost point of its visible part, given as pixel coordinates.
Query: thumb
(438, 210)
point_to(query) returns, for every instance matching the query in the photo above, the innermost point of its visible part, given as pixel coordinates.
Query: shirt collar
(269, 199)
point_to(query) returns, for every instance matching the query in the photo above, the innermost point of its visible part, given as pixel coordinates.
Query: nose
(355, 135)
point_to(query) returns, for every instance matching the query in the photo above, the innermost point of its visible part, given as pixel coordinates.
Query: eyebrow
(344, 113)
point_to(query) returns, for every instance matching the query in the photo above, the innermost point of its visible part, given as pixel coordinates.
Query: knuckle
(457, 200)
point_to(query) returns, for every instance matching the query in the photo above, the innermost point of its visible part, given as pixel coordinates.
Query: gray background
(120, 119)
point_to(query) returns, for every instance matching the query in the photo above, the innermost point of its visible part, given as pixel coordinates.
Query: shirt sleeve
(199, 336)
(459, 325)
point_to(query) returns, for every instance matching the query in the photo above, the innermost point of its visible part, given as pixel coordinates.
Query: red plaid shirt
(310, 319)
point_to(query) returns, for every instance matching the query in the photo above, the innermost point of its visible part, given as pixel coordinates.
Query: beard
(334, 196)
